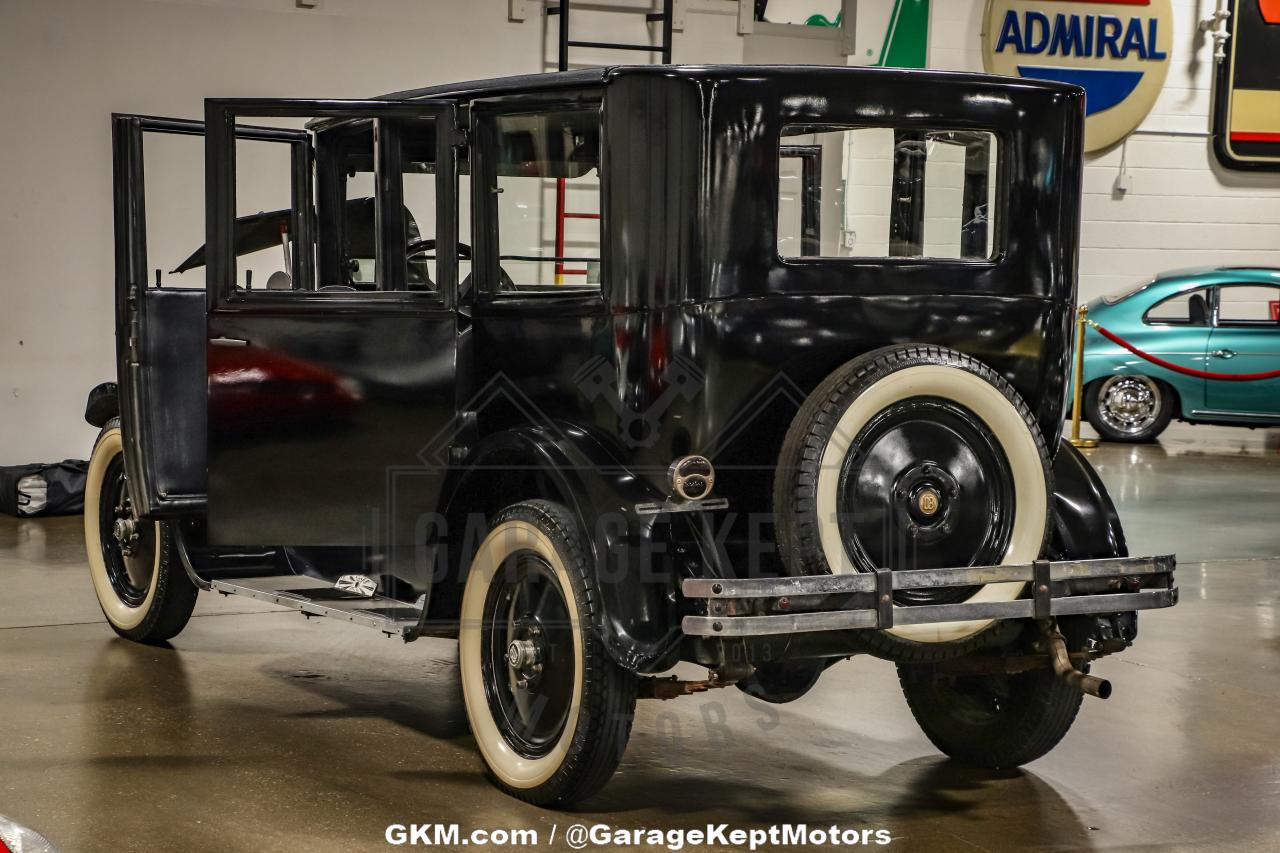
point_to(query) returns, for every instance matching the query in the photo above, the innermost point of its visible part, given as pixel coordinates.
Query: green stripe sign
(906, 37)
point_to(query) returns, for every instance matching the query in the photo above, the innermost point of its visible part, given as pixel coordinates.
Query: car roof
(1219, 272)
(1170, 282)
(551, 80)
(497, 85)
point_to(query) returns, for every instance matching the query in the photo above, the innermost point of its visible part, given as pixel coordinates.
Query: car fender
(102, 405)
(1103, 358)
(1187, 390)
(629, 552)
(1085, 522)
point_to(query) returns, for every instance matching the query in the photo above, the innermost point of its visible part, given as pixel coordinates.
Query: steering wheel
(422, 247)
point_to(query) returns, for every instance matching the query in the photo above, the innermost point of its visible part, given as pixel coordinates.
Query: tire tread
(175, 595)
(795, 485)
(608, 690)
(1046, 709)
(1094, 417)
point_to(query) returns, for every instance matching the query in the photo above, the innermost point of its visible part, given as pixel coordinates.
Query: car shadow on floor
(729, 782)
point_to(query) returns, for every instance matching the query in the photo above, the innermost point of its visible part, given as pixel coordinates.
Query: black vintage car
(600, 371)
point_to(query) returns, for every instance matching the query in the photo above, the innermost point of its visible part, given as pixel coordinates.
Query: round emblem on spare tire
(914, 457)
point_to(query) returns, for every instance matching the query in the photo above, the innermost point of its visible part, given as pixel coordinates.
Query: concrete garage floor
(260, 731)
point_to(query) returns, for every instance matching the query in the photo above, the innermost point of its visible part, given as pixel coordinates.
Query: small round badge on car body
(692, 477)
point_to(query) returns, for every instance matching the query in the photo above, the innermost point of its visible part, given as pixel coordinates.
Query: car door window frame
(1219, 323)
(220, 170)
(484, 188)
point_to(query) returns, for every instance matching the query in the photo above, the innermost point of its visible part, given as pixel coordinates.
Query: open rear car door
(332, 331)
(292, 408)
(160, 341)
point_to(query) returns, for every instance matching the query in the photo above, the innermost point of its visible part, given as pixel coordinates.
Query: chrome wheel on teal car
(1128, 408)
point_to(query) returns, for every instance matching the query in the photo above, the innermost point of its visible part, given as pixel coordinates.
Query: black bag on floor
(54, 488)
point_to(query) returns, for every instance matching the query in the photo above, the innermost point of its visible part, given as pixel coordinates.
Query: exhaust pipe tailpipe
(1065, 670)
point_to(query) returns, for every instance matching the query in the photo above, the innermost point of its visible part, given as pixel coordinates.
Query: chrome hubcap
(1129, 404)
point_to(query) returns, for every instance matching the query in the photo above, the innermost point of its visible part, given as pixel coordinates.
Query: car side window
(1190, 308)
(268, 221)
(546, 171)
(316, 224)
(1249, 306)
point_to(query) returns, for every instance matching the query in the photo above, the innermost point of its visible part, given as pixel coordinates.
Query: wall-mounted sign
(1246, 104)
(1118, 50)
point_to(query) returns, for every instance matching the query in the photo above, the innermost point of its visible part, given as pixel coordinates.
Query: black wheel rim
(925, 486)
(128, 545)
(527, 655)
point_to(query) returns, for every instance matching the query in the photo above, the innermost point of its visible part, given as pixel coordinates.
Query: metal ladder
(565, 42)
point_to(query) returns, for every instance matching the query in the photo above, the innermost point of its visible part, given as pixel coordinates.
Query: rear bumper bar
(756, 607)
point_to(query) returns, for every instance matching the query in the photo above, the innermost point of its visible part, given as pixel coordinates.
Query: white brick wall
(1181, 209)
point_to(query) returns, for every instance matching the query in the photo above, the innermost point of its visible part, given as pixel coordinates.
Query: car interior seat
(1198, 310)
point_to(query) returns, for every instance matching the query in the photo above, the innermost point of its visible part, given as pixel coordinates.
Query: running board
(319, 598)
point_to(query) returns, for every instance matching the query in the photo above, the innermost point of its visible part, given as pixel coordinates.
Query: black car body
(367, 422)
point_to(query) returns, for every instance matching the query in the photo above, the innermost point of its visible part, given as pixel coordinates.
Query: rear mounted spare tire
(914, 457)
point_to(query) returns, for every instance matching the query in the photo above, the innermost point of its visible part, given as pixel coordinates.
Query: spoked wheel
(1128, 408)
(143, 591)
(550, 711)
(914, 457)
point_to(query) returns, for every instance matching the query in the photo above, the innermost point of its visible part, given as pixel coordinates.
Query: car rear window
(1122, 295)
(883, 192)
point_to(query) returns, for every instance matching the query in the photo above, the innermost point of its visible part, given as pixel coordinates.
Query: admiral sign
(1117, 50)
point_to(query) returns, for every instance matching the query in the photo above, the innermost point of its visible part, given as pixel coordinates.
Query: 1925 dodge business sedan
(600, 371)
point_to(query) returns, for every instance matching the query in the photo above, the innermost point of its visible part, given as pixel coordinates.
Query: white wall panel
(1182, 208)
(1178, 235)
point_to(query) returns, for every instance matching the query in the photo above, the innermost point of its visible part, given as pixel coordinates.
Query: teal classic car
(1216, 320)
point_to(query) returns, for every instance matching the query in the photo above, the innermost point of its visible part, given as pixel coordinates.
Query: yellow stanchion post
(1082, 314)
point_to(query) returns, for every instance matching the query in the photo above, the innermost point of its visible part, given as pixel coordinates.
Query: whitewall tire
(550, 711)
(144, 593)
(914, 457)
